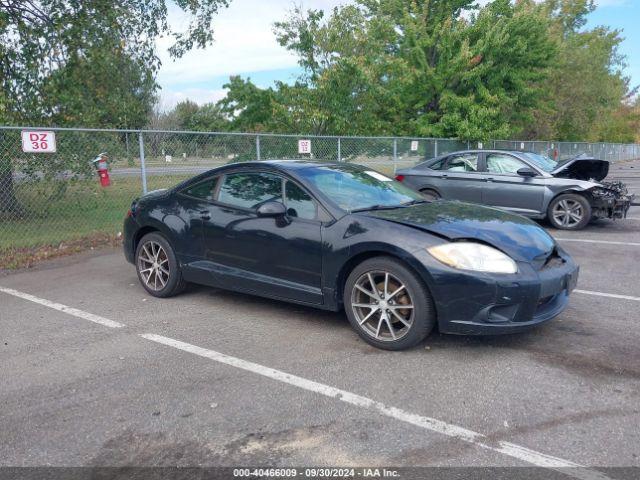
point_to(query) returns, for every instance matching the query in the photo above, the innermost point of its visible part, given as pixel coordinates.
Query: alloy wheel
(382, 305)
(153, 265)
(568, 213)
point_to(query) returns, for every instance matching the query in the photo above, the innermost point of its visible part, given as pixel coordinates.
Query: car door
(279, 257)
(187, 219)
(460, 178)
(506, 189)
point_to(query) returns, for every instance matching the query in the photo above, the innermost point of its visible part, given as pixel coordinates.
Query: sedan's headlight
(473, 256)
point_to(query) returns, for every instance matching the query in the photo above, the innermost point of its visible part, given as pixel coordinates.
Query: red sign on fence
(36, 141)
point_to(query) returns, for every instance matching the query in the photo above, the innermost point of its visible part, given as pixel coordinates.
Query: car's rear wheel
(569, 211)
(430, 194)
(157, 266)
(388, 305)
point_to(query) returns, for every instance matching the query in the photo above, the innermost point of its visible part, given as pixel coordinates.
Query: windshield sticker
(378, 176)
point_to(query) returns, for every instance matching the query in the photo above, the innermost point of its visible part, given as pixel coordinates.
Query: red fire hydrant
(103, 169)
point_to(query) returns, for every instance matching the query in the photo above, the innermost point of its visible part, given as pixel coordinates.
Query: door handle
(444, 175)
(489, 179)
(205, 215)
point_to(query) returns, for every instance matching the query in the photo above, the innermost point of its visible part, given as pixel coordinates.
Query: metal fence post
(258, 147)
(435, 148)
(339, 153)
(395, 155)
(143, 168)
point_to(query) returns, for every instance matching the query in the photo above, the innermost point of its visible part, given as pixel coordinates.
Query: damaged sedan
(569, 193)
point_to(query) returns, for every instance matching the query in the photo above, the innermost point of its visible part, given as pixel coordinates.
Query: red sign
(36, 141)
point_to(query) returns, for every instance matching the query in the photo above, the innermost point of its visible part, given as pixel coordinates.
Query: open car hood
(582, 168)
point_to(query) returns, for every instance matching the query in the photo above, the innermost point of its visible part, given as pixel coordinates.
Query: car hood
(582, 168)
(515, 235)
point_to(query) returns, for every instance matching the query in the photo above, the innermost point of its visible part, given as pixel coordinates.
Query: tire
(569, 211)
(430, 194)
(155, 253)
(369, 321)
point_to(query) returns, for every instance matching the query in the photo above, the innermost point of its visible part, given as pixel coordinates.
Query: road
(77, 392)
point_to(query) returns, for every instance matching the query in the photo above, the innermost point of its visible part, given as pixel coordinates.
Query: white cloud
(169, 97)
(244, 43)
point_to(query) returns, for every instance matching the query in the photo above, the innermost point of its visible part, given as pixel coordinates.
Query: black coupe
(339, 236)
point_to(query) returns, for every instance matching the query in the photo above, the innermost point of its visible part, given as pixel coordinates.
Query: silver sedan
(568, 193)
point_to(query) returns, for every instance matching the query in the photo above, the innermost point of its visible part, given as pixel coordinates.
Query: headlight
(473, 256)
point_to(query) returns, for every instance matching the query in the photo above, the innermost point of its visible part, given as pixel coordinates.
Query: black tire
(430, 194)
(421, 318)
(564, 210)
(174, 283)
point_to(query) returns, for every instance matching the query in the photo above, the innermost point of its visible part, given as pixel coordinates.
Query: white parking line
(610, 295)
(515, 451)
(63, 308)
(606, 242)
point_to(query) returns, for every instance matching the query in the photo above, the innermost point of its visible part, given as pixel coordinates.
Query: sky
(245, 45)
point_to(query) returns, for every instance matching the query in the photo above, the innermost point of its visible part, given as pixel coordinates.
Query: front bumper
(471, 303)
(612, 206)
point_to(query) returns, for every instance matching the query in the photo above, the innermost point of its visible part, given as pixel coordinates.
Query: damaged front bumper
(612, 200)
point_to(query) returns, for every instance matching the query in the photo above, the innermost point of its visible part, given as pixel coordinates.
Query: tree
(420, 67)
(586, 85)
(65, 63)
(249, 108)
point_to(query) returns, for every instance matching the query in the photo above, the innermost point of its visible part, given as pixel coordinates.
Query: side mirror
(272, 209)
(527, 172)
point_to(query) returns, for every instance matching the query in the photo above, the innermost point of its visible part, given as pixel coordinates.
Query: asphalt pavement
(76, 391)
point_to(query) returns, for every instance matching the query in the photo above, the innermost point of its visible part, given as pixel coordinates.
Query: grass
(83, 213)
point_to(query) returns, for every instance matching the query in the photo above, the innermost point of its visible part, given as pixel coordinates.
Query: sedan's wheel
(157, 267)
(387, 304)
(430, 194)
(569, 211)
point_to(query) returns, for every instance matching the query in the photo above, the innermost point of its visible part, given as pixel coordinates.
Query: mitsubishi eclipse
(341, 236)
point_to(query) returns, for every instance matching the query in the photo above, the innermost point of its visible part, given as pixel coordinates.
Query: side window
(501, 163)
(204, 190)
(299, 203)
(463, 163)
(249, 190)
(437, 165)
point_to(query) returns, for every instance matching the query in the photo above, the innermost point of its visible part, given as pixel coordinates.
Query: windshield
(541, 161)
(354, 187)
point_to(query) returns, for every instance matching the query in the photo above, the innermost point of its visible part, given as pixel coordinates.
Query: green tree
(67, 62)
(420, 67)
(249, 108)
(586, 85)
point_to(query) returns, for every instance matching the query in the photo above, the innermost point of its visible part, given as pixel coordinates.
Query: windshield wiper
(414, 202)
(375, 207)
(388, 207)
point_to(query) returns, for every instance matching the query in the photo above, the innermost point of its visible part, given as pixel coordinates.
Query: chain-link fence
(56, 197)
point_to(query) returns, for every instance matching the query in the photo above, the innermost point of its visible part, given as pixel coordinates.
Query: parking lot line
(610, 295)
(606, 242)
(478, 439)
(63, 308)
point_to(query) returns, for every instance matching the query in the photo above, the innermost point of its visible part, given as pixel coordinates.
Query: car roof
(512, 152)
(290, 164)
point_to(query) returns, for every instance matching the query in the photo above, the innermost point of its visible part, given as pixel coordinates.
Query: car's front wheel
(430, 194)
(157, 266)
(388, 305)
(569, 211)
